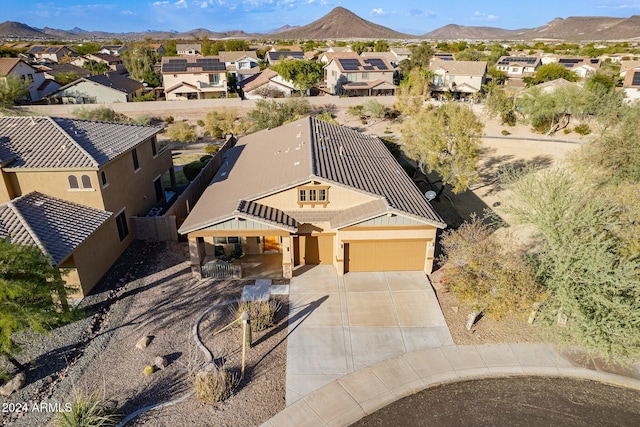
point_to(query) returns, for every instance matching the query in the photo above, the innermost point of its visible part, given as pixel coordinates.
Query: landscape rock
(161, 362)
(14, 384)
(144, 342)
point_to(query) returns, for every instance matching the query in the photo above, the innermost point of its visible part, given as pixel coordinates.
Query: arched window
(73, 182)
(86, 181)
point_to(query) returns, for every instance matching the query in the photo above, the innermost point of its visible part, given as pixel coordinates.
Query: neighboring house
(114, 62)
(458, 78)
(273, 57)
(631, 83)
(242, 64)
(111, 167)
(70, 234)
(551, 86)
(389, 56)
(188, 49)
(116, 50)
(326, 57)
(267, 84)
(518, 66)
(37, 81)
(193, 77)
(99, 89)
(158, 48)
(309, 193)
(359, 77)
(49, 53)
(583, 67)
(443, 56)
(340, 49)
(52, 70)
(628, 66)
(401, 53)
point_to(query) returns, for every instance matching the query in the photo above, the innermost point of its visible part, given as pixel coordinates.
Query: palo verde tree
(12, 89)
(28, 286)
(548, 112)
(445, 140)
(271, 113)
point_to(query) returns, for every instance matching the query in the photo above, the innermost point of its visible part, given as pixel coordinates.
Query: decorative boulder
(161, 362)
(14, 384)
(144, 342)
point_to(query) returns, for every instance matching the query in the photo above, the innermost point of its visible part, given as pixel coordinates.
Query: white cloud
(127, 12)
(481, 16)
(620, 6)
(181, 4)
(160, 3)
(378, 11)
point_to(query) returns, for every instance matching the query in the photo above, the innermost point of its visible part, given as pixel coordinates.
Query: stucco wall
(339, 199)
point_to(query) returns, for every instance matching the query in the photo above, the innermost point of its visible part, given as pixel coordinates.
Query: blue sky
(409, 16)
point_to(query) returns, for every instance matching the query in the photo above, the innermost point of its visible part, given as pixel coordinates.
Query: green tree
(445, 140)
(498, 77)
(181, 132)
(271, 113)
(381, 46)
(95, 67)
(66, 78)
(413, 91)
(421, 56)
(28, 286)
(225, 121)
(589, 284)
(499, 104)
(304, 73)
(170, 48)
(12, 89)
(549, 72)
(236, 45)
(549, 112)
(207, 47)
(139, 59)
(87, 48)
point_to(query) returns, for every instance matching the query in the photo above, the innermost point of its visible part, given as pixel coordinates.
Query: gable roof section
(282, 54)
(268, 214)
(628, 65)
(56, 226)
(53, 142)
(116, 81)
(275, 160)
(461, 68)
(264, 77)
(191, 64)
(233, 56)
(363, 65)
(8, 64)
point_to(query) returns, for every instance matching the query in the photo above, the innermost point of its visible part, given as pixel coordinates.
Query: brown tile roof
(53, 142)
(7, 64)
(56, 226)
(359, 64)
(262, 78)
(233, 56)
(274, 160)
(461, 68)
(265, 213)
(115, 81)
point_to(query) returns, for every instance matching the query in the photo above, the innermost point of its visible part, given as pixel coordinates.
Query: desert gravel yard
(155, 296)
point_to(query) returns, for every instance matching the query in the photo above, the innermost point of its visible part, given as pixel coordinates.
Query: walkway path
(350, 398)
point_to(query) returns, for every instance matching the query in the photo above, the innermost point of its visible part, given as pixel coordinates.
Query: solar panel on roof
(636, 79)
(368, 67)
(569, 61)
(349, 64)
(52, 49)
(595, 61)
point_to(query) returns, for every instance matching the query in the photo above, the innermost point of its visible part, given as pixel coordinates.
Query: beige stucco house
(359, 76)
(99, 89)
(37, 81)
(49, 53)
(458, 78)
(112, 167)
(193, 77)
(310, 193)
(267, 84)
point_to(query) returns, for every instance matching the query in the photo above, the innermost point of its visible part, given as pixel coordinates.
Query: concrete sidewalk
(360, 393)
(340, 324)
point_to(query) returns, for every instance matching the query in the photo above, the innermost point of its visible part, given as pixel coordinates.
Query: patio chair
(237, 251)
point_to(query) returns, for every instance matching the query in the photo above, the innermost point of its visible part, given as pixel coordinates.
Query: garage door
(318, 249)
(385, 255)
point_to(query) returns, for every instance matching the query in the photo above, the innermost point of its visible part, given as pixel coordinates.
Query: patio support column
(287, 257)
(431, 249)
(196, 251)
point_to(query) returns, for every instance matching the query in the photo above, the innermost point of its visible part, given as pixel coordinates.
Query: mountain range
(342, 24)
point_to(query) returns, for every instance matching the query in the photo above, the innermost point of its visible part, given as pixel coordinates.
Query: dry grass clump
(262, 313)
(87, 411)
(214, 383)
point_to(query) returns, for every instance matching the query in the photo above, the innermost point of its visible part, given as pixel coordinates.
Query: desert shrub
(508, 117)
(205, 159)
(181, 132)
(149, 369)
(211, 149)
(141, 120)
(214, 383)
(191, 170)
(200, 122)
(583, 129)
(262, 313)
(101, 114)
(169, 119)
(149, 96)
(505, 132)
(566, 131)
(356, 110)
(87, 411)
(326, 116)
(375, 109)
(484, 270)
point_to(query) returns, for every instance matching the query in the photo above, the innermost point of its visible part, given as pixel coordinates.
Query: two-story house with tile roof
(49, 53)
(38, 86)
(193, 77)
(113, 167)
(242, 64)
(359, 76)
(459, 79)
(309, 193)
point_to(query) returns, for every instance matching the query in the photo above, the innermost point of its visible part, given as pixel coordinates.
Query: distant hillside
(283, 29)
(588, 28)
(453, 31)
(18, 29)
(341, 23)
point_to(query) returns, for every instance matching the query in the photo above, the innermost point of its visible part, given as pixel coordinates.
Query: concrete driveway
(339, 324)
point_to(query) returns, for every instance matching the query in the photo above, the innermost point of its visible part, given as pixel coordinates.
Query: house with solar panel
(518, 67)
(372, 76)
(53, 169)
(458, 79)
(242, 64)
(49, 53)
(308, 193)
(630, 73)
(583, 67)
(193, 77)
